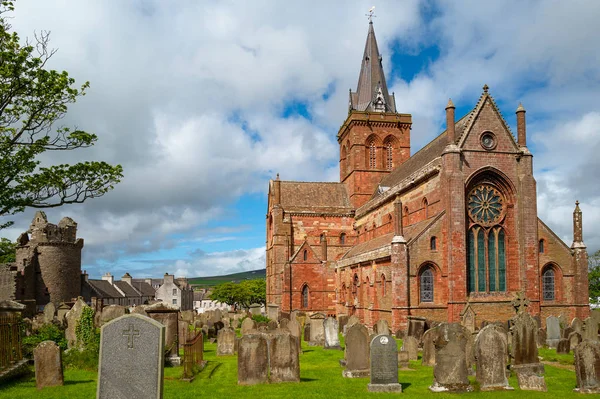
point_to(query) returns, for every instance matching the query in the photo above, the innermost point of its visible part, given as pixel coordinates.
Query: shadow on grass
(405, 385)
(304, 379)
(78, 382)
(307, 350)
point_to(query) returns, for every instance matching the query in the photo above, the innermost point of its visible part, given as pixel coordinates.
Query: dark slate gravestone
(587, 367)
(132, 349)
(253, 363)
(564, 346)
(491, 347)
(384, 365)
(48, 365)
(332, 339)
(284, 360)
(428, 356)
(450, 370)
(357, 352)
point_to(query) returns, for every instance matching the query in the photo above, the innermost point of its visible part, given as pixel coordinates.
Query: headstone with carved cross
(132, 350)
(520, 302)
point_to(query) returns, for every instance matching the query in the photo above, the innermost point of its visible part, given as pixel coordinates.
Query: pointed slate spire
(372, 92)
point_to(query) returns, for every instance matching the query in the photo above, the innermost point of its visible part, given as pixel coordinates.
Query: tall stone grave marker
(284, 359)
(48, 365)
(226, 342)
(416, 327)
(450, 370)
(330, 328)
(253, 362)
(169, 317)
(382, 327)
(590, 329)
(577, 325)
(468, 318)
(428, 356)
(552, 331)
(357, 352)
(294, 328)
(574, 340)
(525, 353)
(317, 330)
(72, 318)
(587, 367)
(491, 346)
(132, 360)
(384, 365)
(247, 325)
(411, 346)
(49, 312)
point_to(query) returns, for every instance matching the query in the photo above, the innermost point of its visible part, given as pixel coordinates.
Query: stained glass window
(485, 205)
(427, 286)
(541, 246)
(305, 297)
(548, 285)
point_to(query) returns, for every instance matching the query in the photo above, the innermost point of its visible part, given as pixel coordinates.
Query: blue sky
(203, 102)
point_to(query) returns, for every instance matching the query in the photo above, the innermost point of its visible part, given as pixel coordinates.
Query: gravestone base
(315, 343)
(356, 374)
(385, 388)
(531, 382)
(343, 362)
(174, 360)
(436, 387)
(496, 388)
(534, 368)
(587, 390)
(333, 347)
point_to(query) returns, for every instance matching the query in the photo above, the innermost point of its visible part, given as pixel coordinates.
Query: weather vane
(371, 14)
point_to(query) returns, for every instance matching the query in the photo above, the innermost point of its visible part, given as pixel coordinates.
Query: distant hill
(236, 278)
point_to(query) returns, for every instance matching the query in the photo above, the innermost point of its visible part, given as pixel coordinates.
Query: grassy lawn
(321, 377)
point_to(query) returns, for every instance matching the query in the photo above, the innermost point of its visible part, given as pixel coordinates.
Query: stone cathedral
(449, 230)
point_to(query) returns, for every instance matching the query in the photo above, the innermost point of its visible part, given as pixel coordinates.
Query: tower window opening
(372, 155)
(389, 156)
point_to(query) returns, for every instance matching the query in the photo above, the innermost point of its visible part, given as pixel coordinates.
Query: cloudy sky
(202, 102)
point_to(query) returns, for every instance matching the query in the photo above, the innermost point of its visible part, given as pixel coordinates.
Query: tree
(242, 294)
(32, 101)
(594, 277)
(7, 250)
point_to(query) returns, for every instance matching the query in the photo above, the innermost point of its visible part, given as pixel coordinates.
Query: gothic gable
(305, 254)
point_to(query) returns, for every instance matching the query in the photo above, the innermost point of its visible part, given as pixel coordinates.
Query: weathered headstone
(247, 325)
(577, 325)
(428, 355)
(48, 365)
(169, 317)
(330, 329)
(307, 332)
(450, 370)
(61, 313)
(416, 327)
(139, 310)
(253, 362)
(131, 364)
(468, 318)
(564, 346)
(342, 321)
(411, 346)
(384, 365)
(531, 382)
(284, 360)
(225, 342)
(294, 327)
(552, 331)
(590, 329)
(111, 312)
(574, 340)
(352, 320)
(525, 354)
(283, 323)
(72, 318)
(587, 367)
(541, 337)
(317, 331)
(357, 352)
(382, 328)
(566, 331)
(272, 325)
(491, 347)
(49, 312)
(403, 359)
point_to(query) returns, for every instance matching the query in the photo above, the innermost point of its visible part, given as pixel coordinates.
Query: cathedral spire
(372, 92)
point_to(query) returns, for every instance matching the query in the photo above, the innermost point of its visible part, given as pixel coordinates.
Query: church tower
(375, 138)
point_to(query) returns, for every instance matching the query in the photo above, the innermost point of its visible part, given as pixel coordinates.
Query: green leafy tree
(241, 295)
(33, 99)
(594, 277)
(7, 251)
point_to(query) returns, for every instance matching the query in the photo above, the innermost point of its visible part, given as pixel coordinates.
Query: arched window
(433, 243)
(372, 155)
(426, 285)
(305, 254)
(322, 237)
(405, 221)
(389, 156)
(486, 240)
(541, 247)
(383, 284)
(548, 285)
(355, 285)
(343, 238)
(426, 208)
(305, 295)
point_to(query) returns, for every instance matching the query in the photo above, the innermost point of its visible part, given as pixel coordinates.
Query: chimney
(127, 278)
(277, 190)
(521, 130)
(168, 278)
(398, 228)
(450, 122)
(108, 277)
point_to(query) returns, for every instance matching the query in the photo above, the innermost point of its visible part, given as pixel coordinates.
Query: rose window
(485, 205)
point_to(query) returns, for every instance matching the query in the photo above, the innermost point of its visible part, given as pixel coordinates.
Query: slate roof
(104, 289)
(127, 289)
(143, 287)
(315, 197)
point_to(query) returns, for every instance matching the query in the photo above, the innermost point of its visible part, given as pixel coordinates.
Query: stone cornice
(378, 253)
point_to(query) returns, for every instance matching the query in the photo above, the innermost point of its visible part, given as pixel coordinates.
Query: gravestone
(111, 312)
(552, 331)
(332, 339)
(272, 325)
(169, 317)
(218, 325)
(294, 328)
(61, 313)
(317, 331)
(491, 347)
(247, 325)
(587, 367)
(352, 320)
(590, 329)
(132, 360)
(357, 352)
(574, 340)
(467, 318)
(531, 382)
(564, 346)
(577, 325)
(384, 365)
(284, 360)
(48, 365)
(307, 332)
(416, 327)
(525, 354)
(139, 310)
(342, 321)
(253, 360)
(541, 337)
(411, 346)
(428, 355)
(49, 312)
(403, 360)
(566, 331)
(283, 323)
(184, 331)
(450, 370)
(470, 353)
(382, 328)
(226, 342)
(72, 318)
